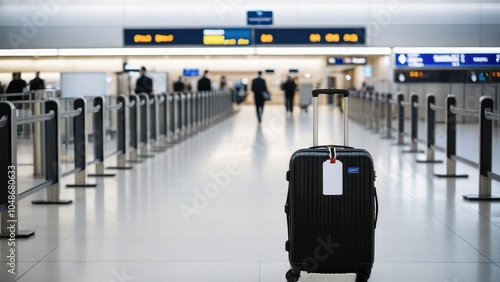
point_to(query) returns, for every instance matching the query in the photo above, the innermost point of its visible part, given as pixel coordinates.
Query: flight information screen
(447, 60)
(309, 36)
(244, 37)
(205, 37)
(447, 75)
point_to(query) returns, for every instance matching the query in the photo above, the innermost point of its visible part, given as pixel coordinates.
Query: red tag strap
(333, 157)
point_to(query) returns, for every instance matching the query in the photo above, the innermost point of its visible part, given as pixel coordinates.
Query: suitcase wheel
(290, 277)
(362, 277)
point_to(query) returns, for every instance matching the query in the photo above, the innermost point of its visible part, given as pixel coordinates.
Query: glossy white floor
(211, 209)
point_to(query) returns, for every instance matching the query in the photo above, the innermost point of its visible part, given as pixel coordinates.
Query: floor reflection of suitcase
(305, 97)
(331, 215)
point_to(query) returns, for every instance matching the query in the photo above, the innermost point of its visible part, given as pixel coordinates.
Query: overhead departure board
(193, 37)
(244, 37)
(447, 60)
(309, 36)
(447, 76)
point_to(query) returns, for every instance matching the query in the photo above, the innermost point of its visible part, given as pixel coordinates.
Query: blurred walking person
(289, 87)
(17, 85)
(204, 84)
(179, 85)
(37, 83)
(258, 88)
(144, 84)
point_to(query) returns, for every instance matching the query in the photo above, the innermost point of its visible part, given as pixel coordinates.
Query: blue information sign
(346, 61)
(190, 72)
(259, 17)
(447, 60)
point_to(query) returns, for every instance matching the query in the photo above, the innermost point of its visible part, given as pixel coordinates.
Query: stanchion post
(9, 219)
(205, 109)
(376, 115)
(52, 155)
(451, 140)
(80, 144)
(188, 111)
(176, 101)
(153, 121)
(163, 117)
(166, 110)
(170, 117)
(485, 152)
(196, 109)
(431, 129)
(38, 168)
(431, 126)
(414, 124)
(368, 119)
(99, 137)
(370, 111)
(183, 114)
(121, 133)
(388, 114)
(401, 119)
(144, 122)
(134, 128)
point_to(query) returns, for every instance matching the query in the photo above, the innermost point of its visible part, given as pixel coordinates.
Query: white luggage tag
(332, 175)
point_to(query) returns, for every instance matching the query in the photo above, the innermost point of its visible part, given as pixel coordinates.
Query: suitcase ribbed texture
(331, 234)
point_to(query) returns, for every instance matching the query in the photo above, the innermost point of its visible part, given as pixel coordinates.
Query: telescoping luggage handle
(315, 94)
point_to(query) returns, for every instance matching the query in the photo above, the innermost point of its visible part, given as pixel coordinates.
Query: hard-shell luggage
(331, 227)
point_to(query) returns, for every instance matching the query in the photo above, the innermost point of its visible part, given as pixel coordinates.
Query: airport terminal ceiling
(167, 36)
(385, 23)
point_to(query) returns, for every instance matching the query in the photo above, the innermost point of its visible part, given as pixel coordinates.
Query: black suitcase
(331, 233)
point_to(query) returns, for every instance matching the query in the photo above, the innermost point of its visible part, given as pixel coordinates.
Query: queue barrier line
(9, 196)
(484, 113)
(199, 111)
(486, 105)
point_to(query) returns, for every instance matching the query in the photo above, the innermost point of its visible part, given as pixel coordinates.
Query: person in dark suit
(17, 85)
(144, 84)
(258, 89)
(204, 84)
(289, 87)
(37, 83)
(179, 85)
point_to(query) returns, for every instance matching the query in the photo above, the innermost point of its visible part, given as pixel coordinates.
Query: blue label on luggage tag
(352, 170)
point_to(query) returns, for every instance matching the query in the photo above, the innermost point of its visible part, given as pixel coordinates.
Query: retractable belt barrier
(100, 112)
(375, 112)
(80, 144)
(141, 121)
(388, 115)
(133, 119)
(413, 105)
(9, 193)
(486, 117)
(430, 108)
(122, 130)
(368, 111)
